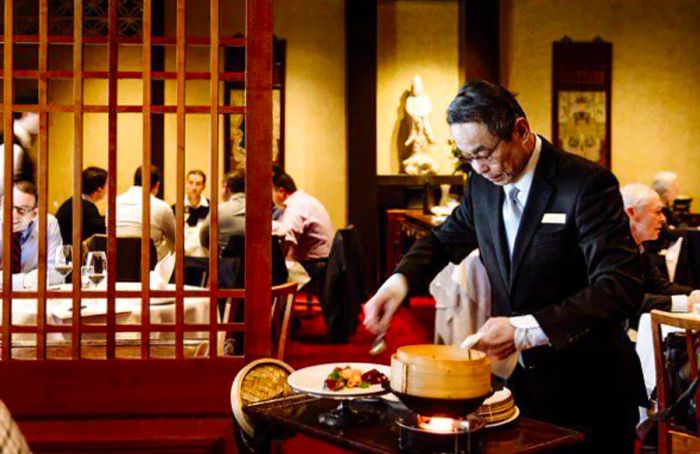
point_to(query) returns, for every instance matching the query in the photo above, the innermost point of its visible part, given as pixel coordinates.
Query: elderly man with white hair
(666, 185)
(644, 209)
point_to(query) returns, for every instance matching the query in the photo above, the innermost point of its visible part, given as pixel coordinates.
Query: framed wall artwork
(234, 95)
(581, 98)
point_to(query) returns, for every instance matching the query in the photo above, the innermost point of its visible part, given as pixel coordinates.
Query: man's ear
(522, 129)
(630, 212)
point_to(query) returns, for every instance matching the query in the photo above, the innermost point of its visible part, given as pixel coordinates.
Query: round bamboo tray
(440, 372)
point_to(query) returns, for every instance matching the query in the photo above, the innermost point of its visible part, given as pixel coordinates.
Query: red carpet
(412, 325)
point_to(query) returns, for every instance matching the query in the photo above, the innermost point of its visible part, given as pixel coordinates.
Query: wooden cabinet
(403, 228)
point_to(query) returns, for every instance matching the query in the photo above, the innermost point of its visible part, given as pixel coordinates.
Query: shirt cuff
(679, 303)
(396, 284)
(528, 333)
(524, 322)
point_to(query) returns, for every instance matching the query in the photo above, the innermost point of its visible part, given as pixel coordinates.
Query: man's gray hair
(662, 181)
(637, 195)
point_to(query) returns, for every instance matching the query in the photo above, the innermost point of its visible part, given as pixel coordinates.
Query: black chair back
(235, 248)
(196, 270)
(128, 255)
(688, 266)
(344, 289)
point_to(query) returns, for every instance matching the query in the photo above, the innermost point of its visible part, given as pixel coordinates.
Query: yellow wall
(656, 62)
(315, 139)
(415, 37)
(95, 126)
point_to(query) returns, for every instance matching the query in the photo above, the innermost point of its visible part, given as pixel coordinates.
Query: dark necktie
(16, 266)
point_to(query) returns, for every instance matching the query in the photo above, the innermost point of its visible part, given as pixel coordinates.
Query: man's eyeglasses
(484, 157)
(23, 210)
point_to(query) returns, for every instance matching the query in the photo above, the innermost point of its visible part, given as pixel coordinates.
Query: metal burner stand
(344, 416)
(415, 440)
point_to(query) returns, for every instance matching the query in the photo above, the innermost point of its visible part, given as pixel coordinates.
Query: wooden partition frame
(144, 387)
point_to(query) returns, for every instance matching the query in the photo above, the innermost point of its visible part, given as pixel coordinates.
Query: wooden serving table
(299, 414)
(404, 227)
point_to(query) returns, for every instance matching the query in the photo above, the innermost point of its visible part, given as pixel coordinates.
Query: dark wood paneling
(148, 435)
(258, 225)
(361, 110)
(158, 90)
(479, 46)
(57, 388)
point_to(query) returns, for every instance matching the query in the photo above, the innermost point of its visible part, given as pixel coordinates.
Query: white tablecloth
(645, 349)
(128, 310)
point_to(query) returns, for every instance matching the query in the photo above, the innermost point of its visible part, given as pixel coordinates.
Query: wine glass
(96, 263)
(64, 260)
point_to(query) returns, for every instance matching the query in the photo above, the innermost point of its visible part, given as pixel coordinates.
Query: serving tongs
(470, 341)
(378, 345)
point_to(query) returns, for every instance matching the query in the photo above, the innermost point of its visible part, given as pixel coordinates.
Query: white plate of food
(340, 380)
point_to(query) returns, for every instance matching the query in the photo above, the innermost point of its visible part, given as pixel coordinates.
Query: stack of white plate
(499, 408)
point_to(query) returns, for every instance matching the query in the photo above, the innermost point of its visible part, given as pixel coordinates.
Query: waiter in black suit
(564, 270)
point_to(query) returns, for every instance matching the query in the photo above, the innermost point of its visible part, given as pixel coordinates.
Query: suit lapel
(494, 202)
(540, 193)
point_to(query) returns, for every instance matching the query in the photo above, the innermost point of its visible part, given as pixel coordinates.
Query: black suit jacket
(93, 221)
(657, 288)
(580, 279)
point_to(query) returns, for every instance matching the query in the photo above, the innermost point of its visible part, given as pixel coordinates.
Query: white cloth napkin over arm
(160, 276)
(462, 299)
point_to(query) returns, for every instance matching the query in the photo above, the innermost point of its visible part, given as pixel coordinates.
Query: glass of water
(96, 264)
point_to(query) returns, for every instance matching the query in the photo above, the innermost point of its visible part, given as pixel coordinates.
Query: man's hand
(497, 338)
(693, 300)
(380, 309)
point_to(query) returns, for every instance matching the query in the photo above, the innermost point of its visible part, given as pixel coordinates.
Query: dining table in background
(59, 311)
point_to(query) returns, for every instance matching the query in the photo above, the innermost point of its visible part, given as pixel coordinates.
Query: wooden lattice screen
(112, 31)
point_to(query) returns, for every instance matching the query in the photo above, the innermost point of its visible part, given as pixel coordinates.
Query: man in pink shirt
(305, 226)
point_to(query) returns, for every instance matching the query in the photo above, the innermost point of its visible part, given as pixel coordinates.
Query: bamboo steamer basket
(440, 372)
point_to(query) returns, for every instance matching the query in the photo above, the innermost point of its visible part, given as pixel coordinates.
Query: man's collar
(203, 202)
(292, 196)
(524, 181)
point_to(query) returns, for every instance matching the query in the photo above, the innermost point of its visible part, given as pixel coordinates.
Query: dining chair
(235, 249)
(281, 309)
(344, 288)
(128, 255)
(260, 381)
(672, 437)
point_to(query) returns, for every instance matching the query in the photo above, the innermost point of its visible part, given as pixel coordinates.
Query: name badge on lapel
(554, 218)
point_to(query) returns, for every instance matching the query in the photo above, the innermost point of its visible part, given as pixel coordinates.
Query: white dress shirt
(162, 220)
(528, 333)
(30, 254)
(306, 227)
